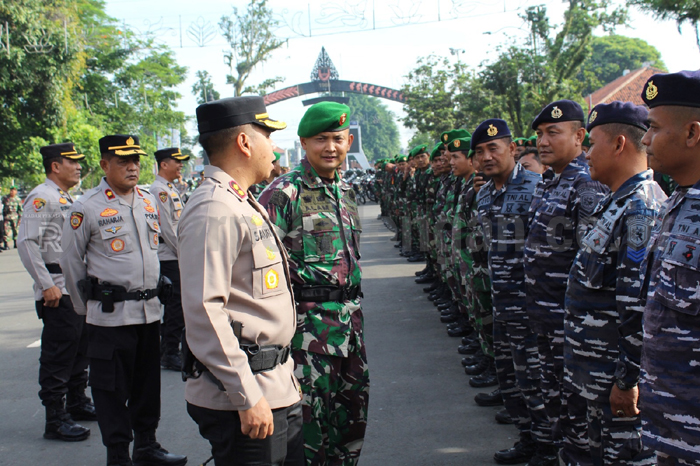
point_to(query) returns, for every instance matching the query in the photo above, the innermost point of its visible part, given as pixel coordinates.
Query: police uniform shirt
(603, 323)
(558, 219)
(169, 211)
(116, 242)
(669, 395)
(503, 215)
(39, 237)
(234, 269)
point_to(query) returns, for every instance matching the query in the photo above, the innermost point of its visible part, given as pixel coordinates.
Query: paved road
(421, 408)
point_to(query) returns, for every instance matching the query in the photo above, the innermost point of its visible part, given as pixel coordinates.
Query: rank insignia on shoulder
(76, 219)
(237, 189)
(163, 196)
(272, 280)
(110, 194)
(257, 221)
(156, 227)
(108, 213)
(170, 186)
(155, 238)
(117, 245)
(38, 204)
(63, 200)
(150, 209)
(113, 230)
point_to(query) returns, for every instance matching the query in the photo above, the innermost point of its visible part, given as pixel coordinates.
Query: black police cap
(122, 145)
(561, 110)
(680, 89)
(172, 153)
(235, 111)
(618, 112)
(66, 150)
(489, 130)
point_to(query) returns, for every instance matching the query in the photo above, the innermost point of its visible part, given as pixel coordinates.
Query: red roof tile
(626, 88)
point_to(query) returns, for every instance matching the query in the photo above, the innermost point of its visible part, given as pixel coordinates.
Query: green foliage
(611, 56)
(421, 138)
(380, 135)
(203, 89)
(681, 11)
(251, 39)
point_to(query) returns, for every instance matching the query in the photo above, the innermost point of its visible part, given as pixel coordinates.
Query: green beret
(459, 145)
(418, 150)
(436, 151)
(401, 158)
(324, 117)
(448, 136)
(277, 156)
(586, 142)
(520, 142)
(532, 141)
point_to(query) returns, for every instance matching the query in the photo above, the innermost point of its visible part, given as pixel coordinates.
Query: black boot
(489, 399)
(502, 417)
(546, 455)
(80, 406)
(59, 425)
(432, 287)
(148, 452)
(118, 455)
(521, 452)
(171, 361)
(425, 271)
(426, 279)
(471, 348)
(478, 368)
(487, 378)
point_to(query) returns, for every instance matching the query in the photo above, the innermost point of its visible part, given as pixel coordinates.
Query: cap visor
(75, 157)
(125, 153)
(271, 124)
(181, 158)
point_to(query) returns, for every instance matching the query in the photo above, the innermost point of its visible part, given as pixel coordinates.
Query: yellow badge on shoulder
(38, 204)
(257, 221)
(76, 219)
(117, 245)
(272, 280)
(270, 253)
(108, 213)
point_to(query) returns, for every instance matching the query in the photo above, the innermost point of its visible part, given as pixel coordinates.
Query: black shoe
(472, 348)
(448, 319)
(502, 417)
(425, 279)
(446, 306)
(417, 258)
(478, 368)
(118, 455)
(452, 325)
(394, 238)
(473, 359)
(521, 452)
(458, 331)
(431, 288)
(171, 362)
(423, 272)
(489, 399)
(487, 378)
(148, 452)
(546, 455)
(59, 425)
(80, 406)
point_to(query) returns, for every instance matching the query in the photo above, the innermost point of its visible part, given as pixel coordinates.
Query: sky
(373, 41)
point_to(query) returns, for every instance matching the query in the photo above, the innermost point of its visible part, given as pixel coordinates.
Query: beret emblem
(652, 91)
(492, 131)
(557, 113)
(593, 116)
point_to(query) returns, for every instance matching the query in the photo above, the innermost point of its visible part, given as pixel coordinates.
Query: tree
(611, 56)
(681, 11)
(252, 41)
(203, 89)
(380, 135)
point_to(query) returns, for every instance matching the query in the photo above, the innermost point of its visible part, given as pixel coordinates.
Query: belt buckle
(143, 295)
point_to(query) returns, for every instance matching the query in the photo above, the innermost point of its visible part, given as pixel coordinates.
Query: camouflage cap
(324, 117)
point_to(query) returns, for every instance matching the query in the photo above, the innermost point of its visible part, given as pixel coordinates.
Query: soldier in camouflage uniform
(430, 183)
(559, 215)
(318, 221)
(434, 205)
(603, 323)
(670, 373)
(258, 188)
(12, 211)
(400, 200)
(421, 178)
(503, 203)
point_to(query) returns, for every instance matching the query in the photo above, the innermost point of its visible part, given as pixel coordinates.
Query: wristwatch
(623, 386)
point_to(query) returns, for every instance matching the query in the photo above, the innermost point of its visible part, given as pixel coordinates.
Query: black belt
(260, 359)
(53, 268)
(323, 294)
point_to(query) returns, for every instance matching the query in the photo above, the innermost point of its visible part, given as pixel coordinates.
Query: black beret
(682, 89)
(66, 150)
(618, 112)
(561, 110)
(121, 144)
(489, 130)
(235, 111)
(171, 152)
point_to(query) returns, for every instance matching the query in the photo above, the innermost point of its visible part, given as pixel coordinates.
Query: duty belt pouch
(165, 289)
(106, 295)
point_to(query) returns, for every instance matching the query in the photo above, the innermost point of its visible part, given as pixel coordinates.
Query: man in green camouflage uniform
(420, 179)
(256, 189)
(318, 222)
(12, 211)
(434, 205)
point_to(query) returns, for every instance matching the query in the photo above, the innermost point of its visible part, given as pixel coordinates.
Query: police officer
(670, 400)
(317, 216)
(502, 205)
(602, 297)
(63, 361)
(258, 188)
(170, 206)
(110, 261)
(238, 304)
(559, 215)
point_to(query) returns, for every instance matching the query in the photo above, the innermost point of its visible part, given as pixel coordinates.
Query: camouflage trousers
(335, 399)
(10, 227)
(662, 459)
(517, 368)
(567, 411)
(613, 440)
(478, 298)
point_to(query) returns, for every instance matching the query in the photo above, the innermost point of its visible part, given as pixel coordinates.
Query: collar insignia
(110, 194)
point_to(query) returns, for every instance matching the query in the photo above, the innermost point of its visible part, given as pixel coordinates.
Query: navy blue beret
(619, 112)
(561, 110)
(682, 89)
(489, 130)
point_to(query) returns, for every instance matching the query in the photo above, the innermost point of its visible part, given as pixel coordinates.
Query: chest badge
(63, 200)
(257, 221)
(76, 219)
(150, 209)
(108, 213)
(117, 245)
(270, 253)
(272, 280)
(113, 230)
(163, 196)
(38, 204)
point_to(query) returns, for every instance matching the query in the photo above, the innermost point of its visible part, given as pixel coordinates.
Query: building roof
(627, 88)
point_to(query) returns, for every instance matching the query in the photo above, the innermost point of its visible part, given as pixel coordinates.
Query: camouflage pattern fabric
(664, 460)
(319, 224)
(12, 211)
(257, 189)
(670, 375)
(335, 399)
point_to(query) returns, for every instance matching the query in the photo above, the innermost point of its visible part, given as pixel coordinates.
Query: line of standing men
(592, 276)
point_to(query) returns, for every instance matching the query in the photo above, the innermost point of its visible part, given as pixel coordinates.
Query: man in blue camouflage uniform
(603, 323)
(318, 221)
(503, 204)
(563, 201)
(670, 376)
